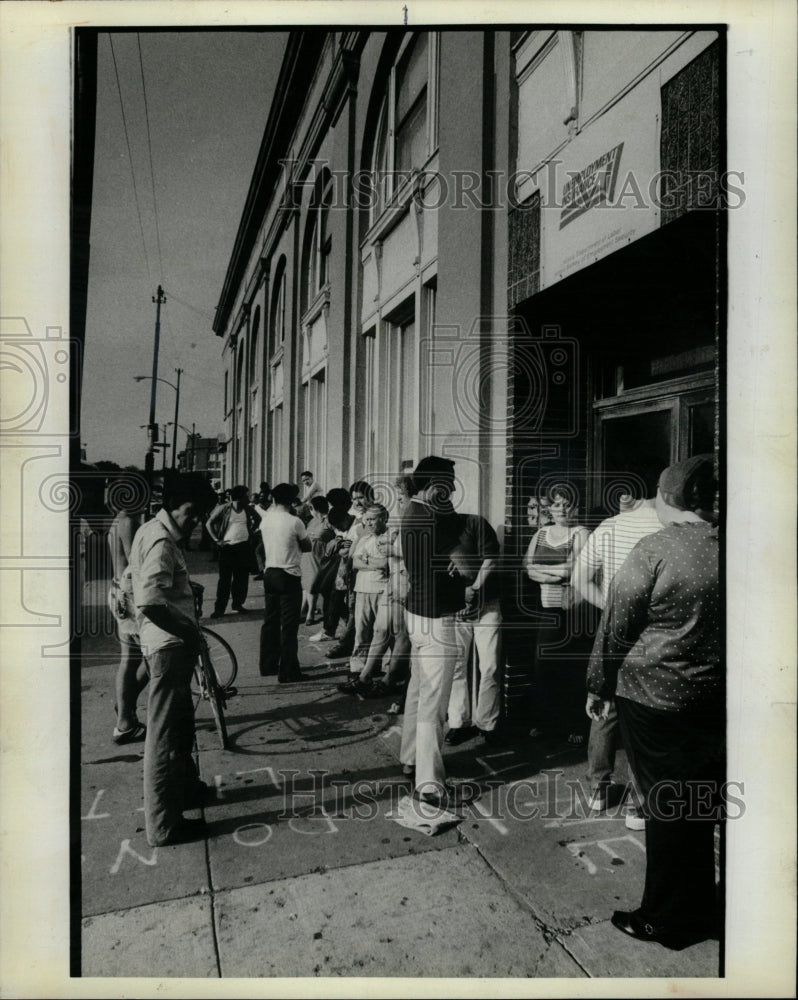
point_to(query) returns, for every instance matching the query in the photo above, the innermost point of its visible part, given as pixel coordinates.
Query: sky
(166, 208)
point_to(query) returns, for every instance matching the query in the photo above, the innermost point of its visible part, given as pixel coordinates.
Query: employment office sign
(600, 192)
(595, 185)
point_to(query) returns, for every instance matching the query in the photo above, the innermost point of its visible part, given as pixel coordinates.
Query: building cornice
(302, 53)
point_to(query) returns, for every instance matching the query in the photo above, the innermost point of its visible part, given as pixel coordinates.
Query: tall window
(391, 404)
(240, 374)
(319, 248)
(277, 444)
(315, 393)
(277, 312)
(254, 370)
(410, 119)
(407, 125)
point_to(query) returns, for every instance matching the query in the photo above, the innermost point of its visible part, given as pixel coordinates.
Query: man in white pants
(479, 624)
(430, 532)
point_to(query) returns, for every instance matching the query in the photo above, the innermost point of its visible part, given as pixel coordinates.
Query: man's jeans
(170, 775)
(433, 653)
(484, 634)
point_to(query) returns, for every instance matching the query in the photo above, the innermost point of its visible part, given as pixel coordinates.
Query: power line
(199, 312)
(130, 157)
(149, 147)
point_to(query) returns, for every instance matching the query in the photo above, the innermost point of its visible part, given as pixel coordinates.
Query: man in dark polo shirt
(430, 531)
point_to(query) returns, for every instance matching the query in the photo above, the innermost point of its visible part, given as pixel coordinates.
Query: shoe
(458, 735)
(217, 614)
(338, 652)
(187, 830)
(408, 770)
(536, 733)
(354, 686)
(631, 922)
(379, 689)
(490, 736)
(634, 820)
(321, 637)
(598, 798)
(134, 735)
(240, 609)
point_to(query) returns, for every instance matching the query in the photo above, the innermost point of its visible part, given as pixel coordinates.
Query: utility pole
(174, 434)
(164, 446)
(152, 427)
(193, 444)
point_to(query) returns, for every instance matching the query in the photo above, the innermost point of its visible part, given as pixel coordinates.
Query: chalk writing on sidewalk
(92, 814)
(252, 834)
(126, 849)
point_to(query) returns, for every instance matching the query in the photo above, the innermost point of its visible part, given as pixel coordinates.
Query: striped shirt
(610, 544)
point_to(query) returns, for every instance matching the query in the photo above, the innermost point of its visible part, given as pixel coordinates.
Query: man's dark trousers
(234, 563)
(281, 615)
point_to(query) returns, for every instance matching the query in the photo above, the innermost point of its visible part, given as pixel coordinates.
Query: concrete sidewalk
(303, 874)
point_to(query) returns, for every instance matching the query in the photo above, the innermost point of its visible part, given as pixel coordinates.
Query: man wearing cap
(658, 654)
(430, 531)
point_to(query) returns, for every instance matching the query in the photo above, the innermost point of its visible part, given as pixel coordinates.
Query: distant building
(202, 454)
(505, 247)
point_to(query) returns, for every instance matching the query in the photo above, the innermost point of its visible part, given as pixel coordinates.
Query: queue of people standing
(414, 585)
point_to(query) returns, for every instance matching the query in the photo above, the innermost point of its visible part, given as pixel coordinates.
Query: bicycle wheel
(214, 693)
(225, 664)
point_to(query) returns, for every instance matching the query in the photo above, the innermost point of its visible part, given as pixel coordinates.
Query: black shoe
(338, 652)
(631, 923)
(490, 736)
(239, 609)
(354, 686)
(379, 689)
(268, 673)
(217, 614)
(293, 679)
(458, 735)
(186, 831)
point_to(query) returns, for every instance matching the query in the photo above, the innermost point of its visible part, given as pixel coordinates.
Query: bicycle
(214, 672)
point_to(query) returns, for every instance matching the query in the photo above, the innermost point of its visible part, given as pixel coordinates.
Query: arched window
(277, 312)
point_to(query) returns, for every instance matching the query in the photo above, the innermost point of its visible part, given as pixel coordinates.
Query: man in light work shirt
(170, 638)
(601, 557)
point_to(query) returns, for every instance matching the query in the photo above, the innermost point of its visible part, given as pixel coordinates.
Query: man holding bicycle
(170, 642)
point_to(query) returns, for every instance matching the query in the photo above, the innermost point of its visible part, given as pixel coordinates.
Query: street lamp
(142, 378)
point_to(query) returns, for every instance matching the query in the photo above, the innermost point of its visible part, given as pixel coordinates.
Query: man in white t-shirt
(285, 538)
(600, 558)
(231, 527)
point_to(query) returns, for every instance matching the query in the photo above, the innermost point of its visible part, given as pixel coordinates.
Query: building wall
(468, 292)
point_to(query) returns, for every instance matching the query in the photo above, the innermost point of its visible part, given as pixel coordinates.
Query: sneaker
(634, 820)
(321, 637)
